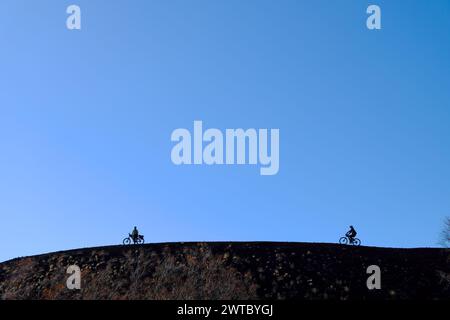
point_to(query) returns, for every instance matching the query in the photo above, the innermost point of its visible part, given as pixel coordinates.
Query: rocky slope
(230, 271)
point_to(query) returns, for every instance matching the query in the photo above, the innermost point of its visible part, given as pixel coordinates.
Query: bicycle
(129, 240)
(350, 241)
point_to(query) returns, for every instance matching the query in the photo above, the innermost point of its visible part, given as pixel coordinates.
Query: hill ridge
(229, 270)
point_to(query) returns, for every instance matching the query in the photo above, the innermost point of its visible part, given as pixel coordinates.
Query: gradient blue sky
(86, 118)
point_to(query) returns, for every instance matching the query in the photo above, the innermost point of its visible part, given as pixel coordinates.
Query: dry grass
(194, 273)
(198, 274)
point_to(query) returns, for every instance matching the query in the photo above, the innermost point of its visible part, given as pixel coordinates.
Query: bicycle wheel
(356, 242)
(140, 241)
(343, 240)
(126, 241)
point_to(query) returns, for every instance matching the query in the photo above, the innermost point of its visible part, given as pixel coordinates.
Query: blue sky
(86, 118)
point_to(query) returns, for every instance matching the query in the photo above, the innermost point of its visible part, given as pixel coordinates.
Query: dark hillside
(256, 270)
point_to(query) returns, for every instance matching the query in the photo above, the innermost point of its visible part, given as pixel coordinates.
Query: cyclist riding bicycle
(351, 234)
(135, 235)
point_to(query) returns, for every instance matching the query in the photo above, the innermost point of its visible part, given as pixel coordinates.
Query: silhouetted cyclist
(351, 234)
(135, 235)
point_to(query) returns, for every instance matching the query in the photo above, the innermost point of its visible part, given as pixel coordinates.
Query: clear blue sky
(86, 118)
